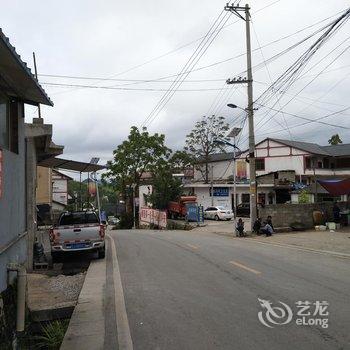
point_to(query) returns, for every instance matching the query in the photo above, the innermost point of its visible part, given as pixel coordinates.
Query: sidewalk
(337, 242)
(86, 328)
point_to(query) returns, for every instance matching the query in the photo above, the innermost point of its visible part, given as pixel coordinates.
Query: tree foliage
(181, 160)
(166, 187)
(335, 140)
(140, 153)
(200, 141)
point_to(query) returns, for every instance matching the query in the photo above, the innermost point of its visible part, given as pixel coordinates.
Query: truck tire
(102, 253)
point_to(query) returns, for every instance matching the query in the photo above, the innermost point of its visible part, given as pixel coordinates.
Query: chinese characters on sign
(153, 216)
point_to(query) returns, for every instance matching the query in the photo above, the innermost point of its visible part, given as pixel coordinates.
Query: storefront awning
(73, 165)
(336, 187)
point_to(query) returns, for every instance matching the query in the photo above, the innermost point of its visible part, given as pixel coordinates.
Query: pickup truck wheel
(102, 253)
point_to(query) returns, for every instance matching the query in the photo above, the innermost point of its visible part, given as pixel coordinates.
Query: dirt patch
(52, 297)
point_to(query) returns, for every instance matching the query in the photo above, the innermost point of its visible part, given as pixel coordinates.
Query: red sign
(1, 171)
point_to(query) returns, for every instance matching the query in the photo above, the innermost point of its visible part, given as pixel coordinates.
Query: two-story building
(22, 146)
(282, 168)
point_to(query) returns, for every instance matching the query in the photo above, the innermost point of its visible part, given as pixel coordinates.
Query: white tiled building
(279, 164)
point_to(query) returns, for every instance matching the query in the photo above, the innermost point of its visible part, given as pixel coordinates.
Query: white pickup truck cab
(77, 231)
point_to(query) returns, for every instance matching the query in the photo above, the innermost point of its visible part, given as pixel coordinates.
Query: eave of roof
(18, 78)
(70, 165)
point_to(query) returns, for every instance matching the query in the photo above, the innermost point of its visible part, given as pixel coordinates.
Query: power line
(122, 88)
(196, 56)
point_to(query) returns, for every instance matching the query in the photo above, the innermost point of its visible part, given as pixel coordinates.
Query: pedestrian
(336, 212)
(257, 226)
(240, 228)
(267, 229)
(269, 221)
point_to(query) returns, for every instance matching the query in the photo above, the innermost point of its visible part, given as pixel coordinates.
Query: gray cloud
(101, 39)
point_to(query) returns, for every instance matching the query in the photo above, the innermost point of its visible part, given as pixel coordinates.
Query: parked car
(243, 209)
(77, 231)
(112, 220)
(218, 213)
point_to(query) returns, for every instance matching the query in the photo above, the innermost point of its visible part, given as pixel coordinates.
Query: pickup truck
(77, 231)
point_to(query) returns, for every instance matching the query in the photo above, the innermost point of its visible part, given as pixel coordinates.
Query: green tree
(181, 160)
(335, 140)
(140, 153)
(200, 141)
(166, 187)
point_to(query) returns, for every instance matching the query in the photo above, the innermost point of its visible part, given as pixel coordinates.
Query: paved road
(191, 290)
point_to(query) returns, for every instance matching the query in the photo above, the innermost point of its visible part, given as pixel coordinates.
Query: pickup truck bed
(77, 231)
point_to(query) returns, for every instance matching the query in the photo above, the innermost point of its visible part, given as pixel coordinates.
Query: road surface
(193, 290)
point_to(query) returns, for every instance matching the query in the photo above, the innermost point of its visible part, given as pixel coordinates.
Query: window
(245, 197)
(13, 126)
(4, 132)
(260, 163)
(308, 162)
(9, 113)
(79, 218)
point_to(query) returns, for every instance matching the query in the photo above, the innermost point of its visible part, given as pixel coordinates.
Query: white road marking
(192, 246)
(304, 249)
(245, 267)
(124, 336)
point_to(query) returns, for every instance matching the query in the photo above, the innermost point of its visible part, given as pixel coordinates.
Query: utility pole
(250, 109)
(212, 185)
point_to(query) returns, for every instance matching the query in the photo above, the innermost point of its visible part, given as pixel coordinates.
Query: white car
(218, 213)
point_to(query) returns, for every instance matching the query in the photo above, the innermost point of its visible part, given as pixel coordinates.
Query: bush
(126, 221)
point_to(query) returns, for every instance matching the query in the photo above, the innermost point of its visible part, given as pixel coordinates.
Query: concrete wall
(204, 198)
(13, 206)
(285, 214)
(44, 185)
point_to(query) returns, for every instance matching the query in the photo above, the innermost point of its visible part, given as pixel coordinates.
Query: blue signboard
(200, 214)
(220, 191)
(191, 211)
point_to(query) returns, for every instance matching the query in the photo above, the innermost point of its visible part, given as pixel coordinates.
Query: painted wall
(13, 205)
(204, 198)
(44, 185)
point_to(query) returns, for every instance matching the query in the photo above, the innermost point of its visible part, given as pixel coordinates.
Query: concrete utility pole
(250, 109)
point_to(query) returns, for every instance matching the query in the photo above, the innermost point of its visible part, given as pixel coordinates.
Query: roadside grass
(52, 335)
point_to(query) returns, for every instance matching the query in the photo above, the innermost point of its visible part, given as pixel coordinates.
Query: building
(283, 168)
(52, 192)
(22, 145)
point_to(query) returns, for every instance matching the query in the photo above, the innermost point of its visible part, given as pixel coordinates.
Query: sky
(129, 41)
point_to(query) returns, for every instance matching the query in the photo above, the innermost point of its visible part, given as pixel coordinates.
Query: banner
(153, 216)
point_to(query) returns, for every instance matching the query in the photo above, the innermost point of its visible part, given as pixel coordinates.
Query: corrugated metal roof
(70, 165)
(304, 146)
(338, 150)
(15, 76)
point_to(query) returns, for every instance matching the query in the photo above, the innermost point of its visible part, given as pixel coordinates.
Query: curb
(86, 328)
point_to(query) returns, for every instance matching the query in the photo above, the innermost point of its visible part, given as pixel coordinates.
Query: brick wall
(285, 214)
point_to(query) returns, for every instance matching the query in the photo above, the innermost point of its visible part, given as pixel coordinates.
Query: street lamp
(252, 167)
(233, 133)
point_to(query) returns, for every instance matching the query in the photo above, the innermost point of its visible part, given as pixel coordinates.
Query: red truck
(179, 208)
